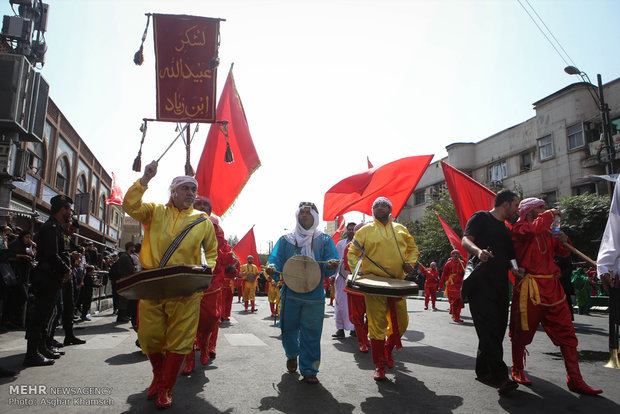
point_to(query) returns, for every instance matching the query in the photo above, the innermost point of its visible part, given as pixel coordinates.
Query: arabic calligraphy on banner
(186, 67)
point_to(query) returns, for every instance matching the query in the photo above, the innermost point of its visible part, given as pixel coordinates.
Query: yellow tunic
(379, 243)
(169, 325)
(273, 295)
(249, 288)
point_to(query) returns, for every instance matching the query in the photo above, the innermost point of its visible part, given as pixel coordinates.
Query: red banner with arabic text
(186, 50)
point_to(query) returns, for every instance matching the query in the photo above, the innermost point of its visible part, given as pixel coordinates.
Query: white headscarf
(302, 237)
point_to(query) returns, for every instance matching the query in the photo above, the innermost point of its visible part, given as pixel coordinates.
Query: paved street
(433, 372)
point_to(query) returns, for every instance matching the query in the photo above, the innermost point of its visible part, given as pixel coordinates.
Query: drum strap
(177, 241)
(372, 261)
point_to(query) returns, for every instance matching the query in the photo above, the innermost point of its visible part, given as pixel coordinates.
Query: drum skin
(382, 286)
(301, 274)
(165, 283)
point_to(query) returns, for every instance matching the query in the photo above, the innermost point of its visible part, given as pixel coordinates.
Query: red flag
(455, 240)
(217, 179)
(116, 198)
(395, 180)
(338, 233)
(246, 247)
(369, 163)
(467, 194)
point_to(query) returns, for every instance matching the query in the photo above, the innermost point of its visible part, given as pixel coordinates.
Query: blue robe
(301, 315)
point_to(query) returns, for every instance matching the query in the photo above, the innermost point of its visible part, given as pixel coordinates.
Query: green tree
(232, 240)
(583, 219)
(432, 241)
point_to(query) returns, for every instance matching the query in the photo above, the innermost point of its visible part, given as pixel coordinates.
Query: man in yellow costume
(273, 294)
(167, 327)
(389, 251)
(249, 273)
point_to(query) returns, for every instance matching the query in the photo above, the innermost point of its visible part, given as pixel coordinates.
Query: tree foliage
(432, 241)
(583, 219)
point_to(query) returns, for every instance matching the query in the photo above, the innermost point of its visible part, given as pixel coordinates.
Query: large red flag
(338, 233)
(467, 194)
(455, 240)
(395, 180)
(218, 179)
(116, 197)
(246, 247)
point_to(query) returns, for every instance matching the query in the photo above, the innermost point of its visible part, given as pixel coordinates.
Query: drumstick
(580, 254)
(318, 261)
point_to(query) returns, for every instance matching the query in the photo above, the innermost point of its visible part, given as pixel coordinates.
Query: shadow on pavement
(584, 329)
(126, 359)
(407, 394)
(185, 396)
(547, 397)
(294, 396)
(431, 356)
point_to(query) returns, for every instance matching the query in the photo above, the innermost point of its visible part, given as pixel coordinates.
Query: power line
(545, 34)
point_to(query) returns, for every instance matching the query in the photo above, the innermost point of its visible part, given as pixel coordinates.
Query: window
(551, 198)
(420, 197)
(498, 172)
(545, 148)
(48, 132)
(81, 184)
(62, 175)
(526, 161)
(585, 189)
(37, 156)
(92, 201)
(575, 136)
(102, 206)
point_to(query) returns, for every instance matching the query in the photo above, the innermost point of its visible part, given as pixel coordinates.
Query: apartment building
(552, 155)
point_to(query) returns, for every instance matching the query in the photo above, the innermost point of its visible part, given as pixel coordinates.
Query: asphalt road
(433, 372)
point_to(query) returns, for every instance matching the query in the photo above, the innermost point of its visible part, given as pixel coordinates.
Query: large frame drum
(165, 282)
(301, 274)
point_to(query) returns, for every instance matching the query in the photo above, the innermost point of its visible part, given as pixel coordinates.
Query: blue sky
(324, 83)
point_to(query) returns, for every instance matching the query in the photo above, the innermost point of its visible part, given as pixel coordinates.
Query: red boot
(213, 341)
(157, 363)
(253, 306)
(574, 380)
(457, 314)
(389, 360)
(246, 305)
(272, 306)
(169, 374)
(518, 363)
(361, 331)
(378, 358)
(189, 363)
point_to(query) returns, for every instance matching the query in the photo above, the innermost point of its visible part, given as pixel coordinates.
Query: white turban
(302, 237)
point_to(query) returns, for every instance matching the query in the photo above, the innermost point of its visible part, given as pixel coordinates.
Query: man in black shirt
(52, 270)
(487, 239)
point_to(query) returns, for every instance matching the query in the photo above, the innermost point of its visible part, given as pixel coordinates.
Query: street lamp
(604, 109)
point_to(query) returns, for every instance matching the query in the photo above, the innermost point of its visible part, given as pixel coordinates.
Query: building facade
(552, 155)
(63, 164)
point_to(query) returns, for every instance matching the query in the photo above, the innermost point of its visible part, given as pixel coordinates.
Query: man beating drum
(389, 251)
(168, 326)
(302, 258)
